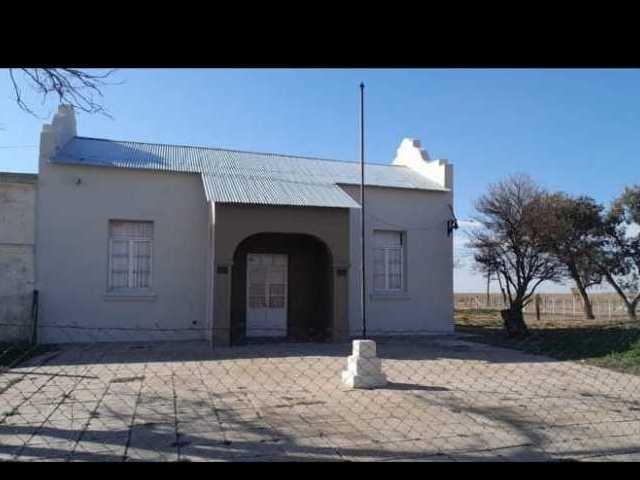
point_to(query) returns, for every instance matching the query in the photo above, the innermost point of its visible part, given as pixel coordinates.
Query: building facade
(143, 241)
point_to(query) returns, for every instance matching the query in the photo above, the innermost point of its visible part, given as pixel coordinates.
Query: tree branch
(81, 89)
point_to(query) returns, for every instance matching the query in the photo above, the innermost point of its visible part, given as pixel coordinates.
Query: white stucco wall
(72, 255)
(426, 306)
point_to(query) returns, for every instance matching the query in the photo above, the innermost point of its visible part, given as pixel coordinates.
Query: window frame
(131, 241)
(387, 273)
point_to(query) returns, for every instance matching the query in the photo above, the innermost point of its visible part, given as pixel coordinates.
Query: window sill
(130, 296)
(389, 296)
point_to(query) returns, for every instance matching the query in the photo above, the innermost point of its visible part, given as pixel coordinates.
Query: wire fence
(605, 306)
(569, 391)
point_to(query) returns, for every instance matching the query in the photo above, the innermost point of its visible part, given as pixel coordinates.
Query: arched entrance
(282, 288)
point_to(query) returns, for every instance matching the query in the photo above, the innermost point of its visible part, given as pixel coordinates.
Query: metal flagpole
(362, 244)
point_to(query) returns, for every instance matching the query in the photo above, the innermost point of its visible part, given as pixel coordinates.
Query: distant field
(552, 305)
(609, 343)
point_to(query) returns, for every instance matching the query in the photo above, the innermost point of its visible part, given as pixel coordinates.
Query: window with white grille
(388, 261)
(130, 245)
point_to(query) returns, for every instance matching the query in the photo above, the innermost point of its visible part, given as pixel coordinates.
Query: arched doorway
(282, 286)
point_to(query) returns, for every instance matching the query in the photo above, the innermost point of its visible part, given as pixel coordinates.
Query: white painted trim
(394, 295)
(131, 242)
(109, 269)
(130, 296)
(387, 273)
(267, 295)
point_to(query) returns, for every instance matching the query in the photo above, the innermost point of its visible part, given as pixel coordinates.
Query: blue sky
(575, 130)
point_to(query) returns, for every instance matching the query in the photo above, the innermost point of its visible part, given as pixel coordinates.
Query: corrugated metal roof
(266, 191)
(232, 176)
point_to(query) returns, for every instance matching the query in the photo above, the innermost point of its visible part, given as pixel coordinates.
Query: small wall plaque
(223, 270)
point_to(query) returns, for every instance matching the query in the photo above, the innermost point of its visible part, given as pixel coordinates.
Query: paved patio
(448, 400)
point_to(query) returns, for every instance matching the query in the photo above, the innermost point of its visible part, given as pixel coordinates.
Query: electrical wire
(440, 224)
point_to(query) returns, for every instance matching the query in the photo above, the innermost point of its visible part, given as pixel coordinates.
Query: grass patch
(608, 344)
(12, 354)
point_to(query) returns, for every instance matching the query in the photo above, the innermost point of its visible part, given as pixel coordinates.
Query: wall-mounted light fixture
(452, 224)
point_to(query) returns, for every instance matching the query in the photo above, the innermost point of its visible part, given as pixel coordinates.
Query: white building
(140, 241)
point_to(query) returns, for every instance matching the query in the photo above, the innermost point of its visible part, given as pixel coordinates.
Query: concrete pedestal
(364, 369)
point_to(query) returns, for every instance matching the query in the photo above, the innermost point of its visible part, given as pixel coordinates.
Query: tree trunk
(631, 306)
(514, 322)
(586, 303)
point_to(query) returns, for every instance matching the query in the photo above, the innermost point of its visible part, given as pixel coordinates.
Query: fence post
(609, 303)
(537, 300)
(34, 317)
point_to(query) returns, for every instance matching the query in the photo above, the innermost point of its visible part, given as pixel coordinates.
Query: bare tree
(619, 258)
(79, 88)
(508, 245)
(571, 233)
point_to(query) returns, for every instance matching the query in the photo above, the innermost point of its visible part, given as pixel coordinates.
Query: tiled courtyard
(448, 400)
